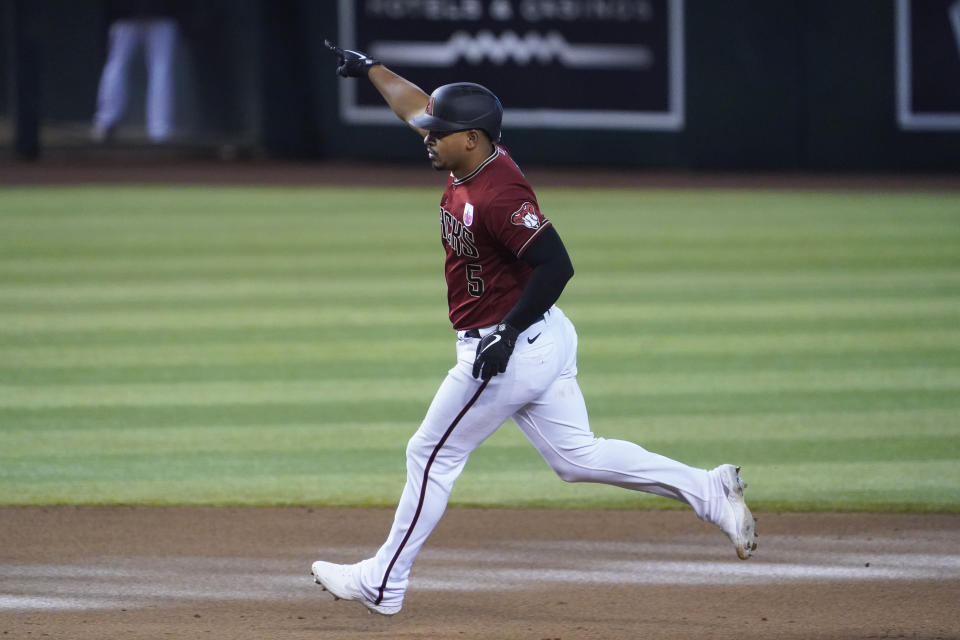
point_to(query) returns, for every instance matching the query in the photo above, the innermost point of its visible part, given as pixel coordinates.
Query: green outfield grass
(279, 346)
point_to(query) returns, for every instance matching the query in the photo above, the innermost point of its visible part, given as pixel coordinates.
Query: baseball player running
(516, 350)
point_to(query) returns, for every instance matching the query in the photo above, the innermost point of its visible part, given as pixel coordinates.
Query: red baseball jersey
(487, 220)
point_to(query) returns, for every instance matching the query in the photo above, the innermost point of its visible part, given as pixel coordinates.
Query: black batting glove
(351, 64)
(494, 350)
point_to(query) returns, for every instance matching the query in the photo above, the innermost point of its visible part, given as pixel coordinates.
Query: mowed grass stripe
(325, 315)
(784, 257)
(199, 437)
(427, 301)
(406, 292)
(324, 350)
(376, 389)
(312, 364)
(635, 406)
(172, 270)
(255, 486)
(680, 336)
(776, 429)
(645, 348)
(866, 486)
(813, 424)
(411, 408)
(203, 261)
(422, 260)
(327, 476)
(900, 282)
(326, 447)
(213, 462)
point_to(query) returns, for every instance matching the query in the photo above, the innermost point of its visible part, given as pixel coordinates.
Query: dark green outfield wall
(783, 84)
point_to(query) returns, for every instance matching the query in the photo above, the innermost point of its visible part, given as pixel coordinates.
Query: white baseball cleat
(737, 521)
(339, 581)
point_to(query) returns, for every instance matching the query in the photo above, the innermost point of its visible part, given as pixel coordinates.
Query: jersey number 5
(474, 281)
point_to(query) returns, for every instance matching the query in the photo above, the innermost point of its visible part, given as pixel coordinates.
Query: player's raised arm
(406, 99)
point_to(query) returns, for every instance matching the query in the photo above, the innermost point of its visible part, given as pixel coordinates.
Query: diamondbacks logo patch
(526, 216)
(467, 214)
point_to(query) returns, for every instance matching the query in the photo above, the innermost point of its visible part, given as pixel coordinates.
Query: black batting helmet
(460, 106)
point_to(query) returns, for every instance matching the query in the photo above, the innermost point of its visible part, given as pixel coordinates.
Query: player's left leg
(557, 424)
(161, 40)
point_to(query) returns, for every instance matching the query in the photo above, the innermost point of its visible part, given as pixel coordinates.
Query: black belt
(475, 333)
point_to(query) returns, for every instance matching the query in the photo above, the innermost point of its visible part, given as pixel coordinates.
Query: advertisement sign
(928, 64)
(588, 64)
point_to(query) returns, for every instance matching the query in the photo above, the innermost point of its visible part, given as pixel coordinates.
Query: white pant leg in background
(161, 39)
(125, 38)
(158, 37)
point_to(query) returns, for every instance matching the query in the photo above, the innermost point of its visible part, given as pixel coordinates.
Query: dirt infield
(118, 572)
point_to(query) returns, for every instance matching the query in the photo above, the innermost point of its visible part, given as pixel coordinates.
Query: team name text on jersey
(457, 235)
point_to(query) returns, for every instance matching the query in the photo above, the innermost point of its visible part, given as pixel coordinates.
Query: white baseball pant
(157, 37)
(539, 391)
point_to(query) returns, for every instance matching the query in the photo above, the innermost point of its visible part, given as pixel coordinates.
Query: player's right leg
(463, 414)
(125, 36)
